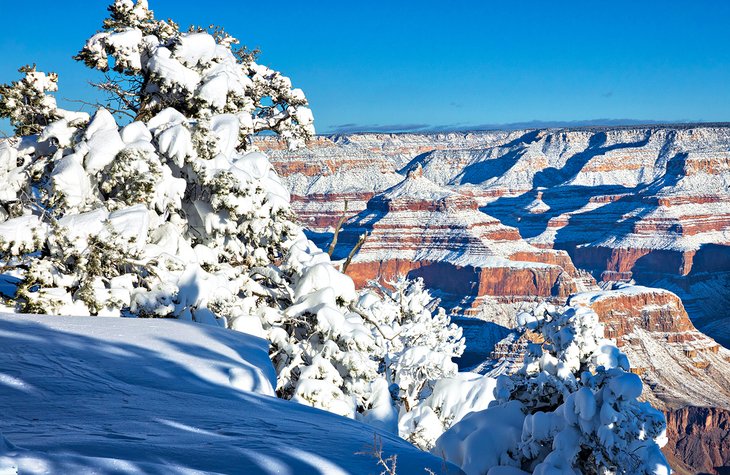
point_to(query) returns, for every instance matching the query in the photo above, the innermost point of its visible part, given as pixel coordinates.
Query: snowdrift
(117, 395)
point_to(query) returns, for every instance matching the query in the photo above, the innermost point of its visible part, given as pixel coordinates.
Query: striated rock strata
(650, 204)
(421, 229)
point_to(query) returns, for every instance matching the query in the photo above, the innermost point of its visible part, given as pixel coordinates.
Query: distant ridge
(598, 124)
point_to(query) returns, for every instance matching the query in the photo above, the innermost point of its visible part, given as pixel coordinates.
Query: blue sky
(388, 65)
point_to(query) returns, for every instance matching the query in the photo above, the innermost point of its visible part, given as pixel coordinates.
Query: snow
(162, 65)
(482, 439)
(176, 143)
(626, 386)
(574, 393)
(96, 395)
(452, 398)
(168, 117)
(619, 290)
(70, 180)
(538, 206)
(225, 129)
(195, 48)
(80, 226)
(135, 132)
(125, 44)
(59, 130)
(131, 223)
(325, 276)
(22, 233)
(102, 121)
(103, 147)
(417, 187)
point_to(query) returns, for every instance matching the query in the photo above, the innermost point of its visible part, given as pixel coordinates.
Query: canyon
(643, 204)
(494, 221)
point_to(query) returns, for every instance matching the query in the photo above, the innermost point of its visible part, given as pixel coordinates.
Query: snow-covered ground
(154, 396)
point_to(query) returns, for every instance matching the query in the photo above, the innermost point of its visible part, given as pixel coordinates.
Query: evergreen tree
(175, 214)
(571, 409)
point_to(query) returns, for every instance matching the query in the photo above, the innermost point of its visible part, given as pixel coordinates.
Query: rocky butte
(424, 230)
(494, 220)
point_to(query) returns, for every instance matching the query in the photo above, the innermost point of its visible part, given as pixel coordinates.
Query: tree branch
(340, 222)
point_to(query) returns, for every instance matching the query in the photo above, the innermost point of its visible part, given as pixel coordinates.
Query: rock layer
(421, 229)
(644, 203)
(699, 437)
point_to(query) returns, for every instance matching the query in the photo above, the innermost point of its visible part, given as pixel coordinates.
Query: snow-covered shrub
(572, 409)
(173, 215)
(451, 399)
(418, 343)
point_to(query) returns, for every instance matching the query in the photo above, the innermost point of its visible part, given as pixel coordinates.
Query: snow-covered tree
(26, 102)
(152, 65)
(418, 341)
(572, 409)
(173, 214)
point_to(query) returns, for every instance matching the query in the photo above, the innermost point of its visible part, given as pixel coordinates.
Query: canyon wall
(495, 220)
(650, 204)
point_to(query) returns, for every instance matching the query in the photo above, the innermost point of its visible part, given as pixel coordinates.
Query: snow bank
(90, 395)
(484, 439)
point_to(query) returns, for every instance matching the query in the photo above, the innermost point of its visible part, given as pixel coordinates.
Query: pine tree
(418, 340)
(175, 214)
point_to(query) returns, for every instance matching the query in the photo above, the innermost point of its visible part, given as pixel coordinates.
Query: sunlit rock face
(424, 230)
(680, 366)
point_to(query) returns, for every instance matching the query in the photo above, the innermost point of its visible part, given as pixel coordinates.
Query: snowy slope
(98, 395)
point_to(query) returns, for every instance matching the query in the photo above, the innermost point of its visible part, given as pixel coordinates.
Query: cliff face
(700, 438)
(680, 366)
(627, 308)
(649, 204)
(424, 230)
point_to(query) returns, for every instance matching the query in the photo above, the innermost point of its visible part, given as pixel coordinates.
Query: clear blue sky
(399, 65)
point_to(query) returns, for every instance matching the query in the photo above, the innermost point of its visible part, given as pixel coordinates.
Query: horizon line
(354, 129)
